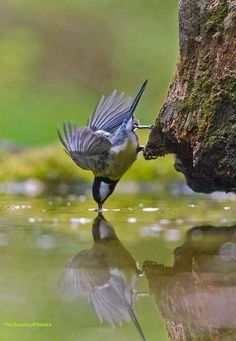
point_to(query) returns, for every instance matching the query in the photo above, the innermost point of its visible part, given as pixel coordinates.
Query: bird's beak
(100, 216)
(100, 204)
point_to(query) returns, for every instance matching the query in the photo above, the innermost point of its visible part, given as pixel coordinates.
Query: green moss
(188, 104)
(207, 97)
(200, 100)
(201, 89)
(229, 85)
(190, 81)
(215, 21)
(207, 85)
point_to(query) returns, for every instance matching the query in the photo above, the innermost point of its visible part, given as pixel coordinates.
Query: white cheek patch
(105, 231)
(104, 190)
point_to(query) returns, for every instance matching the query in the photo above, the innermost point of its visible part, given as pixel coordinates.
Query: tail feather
(136, 323)
(135, 102)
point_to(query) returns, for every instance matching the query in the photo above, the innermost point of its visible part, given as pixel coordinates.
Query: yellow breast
(122, 157)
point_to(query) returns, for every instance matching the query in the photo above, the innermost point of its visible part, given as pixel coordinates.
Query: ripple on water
(19, 207)
(150, 209)
(33, 220)
(76, 222)
(45, 241)
(82, 198)
(153, 230)
(227, 251)
(164, 221)
(172, 235)
(80, 221)
(223, 220)
(4, 239)
(132, 220)
(179, 221)
(191, 206)
(96, 210)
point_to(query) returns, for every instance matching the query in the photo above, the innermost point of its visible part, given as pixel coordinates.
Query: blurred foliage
(51, 164)
(58, 57)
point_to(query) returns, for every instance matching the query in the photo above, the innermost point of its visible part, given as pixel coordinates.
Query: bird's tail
(136, 323)
(135, 102)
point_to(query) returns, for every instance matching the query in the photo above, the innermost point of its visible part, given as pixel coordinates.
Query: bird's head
(102, 230)
(102, 189)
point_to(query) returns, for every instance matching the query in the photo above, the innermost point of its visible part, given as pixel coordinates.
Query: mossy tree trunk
(198, 119)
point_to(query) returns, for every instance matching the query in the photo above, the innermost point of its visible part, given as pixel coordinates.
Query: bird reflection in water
(196, 297)
(106, 274)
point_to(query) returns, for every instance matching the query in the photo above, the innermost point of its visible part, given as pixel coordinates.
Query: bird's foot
(148, 155)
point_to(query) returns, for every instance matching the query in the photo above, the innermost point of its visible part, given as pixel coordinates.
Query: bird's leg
(140, 126)
(149, 126)
(138, 294)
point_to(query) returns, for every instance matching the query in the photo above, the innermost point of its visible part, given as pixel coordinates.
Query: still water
(154, 267)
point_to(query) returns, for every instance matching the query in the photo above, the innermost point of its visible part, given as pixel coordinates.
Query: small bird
(106, 275)
(108, 145)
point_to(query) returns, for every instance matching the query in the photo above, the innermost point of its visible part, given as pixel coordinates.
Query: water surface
(153, 265)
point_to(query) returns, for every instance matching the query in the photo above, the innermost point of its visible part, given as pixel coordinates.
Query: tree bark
(197, 122)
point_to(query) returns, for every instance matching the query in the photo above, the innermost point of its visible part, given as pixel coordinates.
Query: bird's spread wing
(111, 304)
(83, 144)
(110, 112)
(88, 275)
(82, 275)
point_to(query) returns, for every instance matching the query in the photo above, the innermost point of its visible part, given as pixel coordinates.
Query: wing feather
(82, 144)
(110, 112)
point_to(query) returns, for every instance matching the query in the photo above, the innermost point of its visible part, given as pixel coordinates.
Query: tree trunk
(197, 122)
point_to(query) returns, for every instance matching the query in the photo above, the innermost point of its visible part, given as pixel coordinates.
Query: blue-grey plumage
(106, 274)
(108, 146)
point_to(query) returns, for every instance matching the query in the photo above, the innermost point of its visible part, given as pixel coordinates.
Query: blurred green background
(58, 57)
